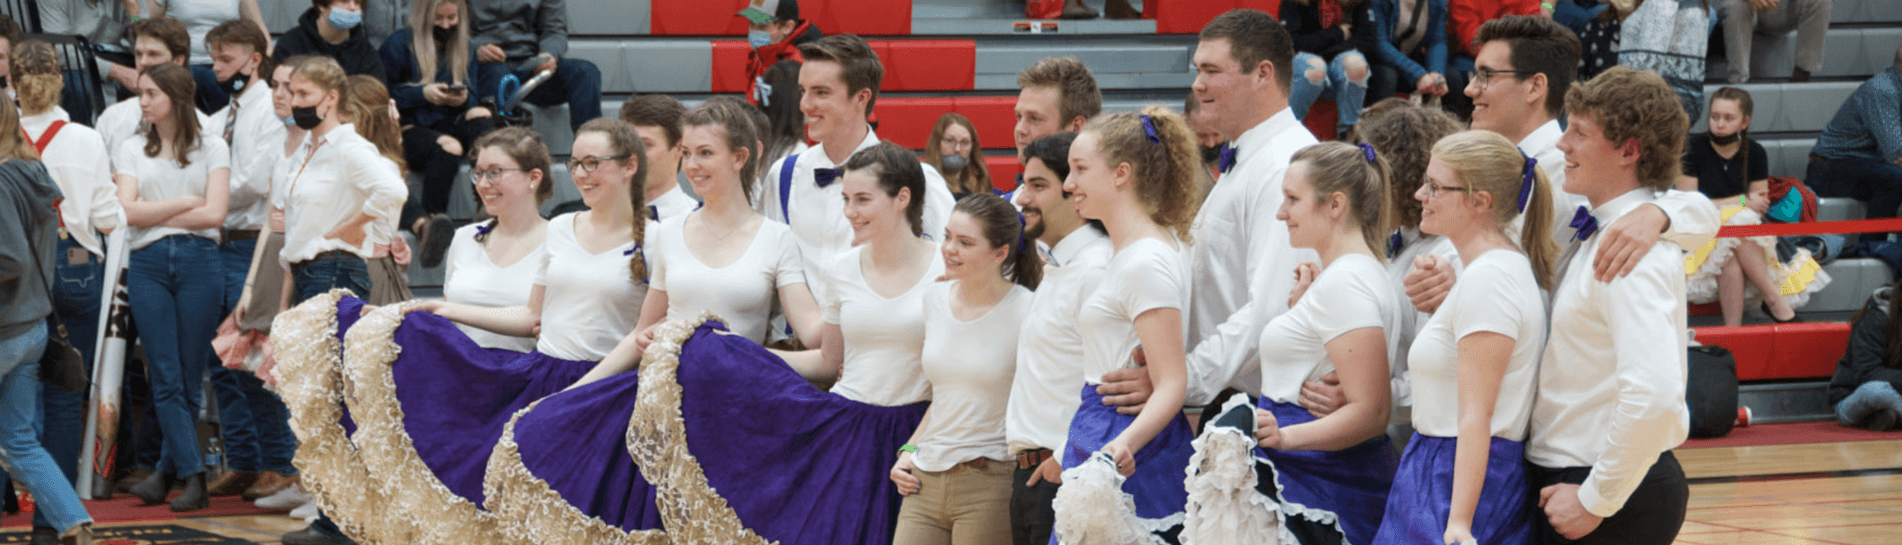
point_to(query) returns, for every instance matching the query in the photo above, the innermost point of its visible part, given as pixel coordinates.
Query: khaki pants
(966, 505)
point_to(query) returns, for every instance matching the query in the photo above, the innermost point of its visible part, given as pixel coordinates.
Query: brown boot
(268, 483)
(132, 478)
(78, 535)
(232, 483)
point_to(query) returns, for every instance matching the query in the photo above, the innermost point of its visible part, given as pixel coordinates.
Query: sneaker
(1743, 417)
(288, 498)
(306, 512)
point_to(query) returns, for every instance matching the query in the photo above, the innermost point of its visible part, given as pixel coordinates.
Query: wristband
(1547, 6)
(908, 448)
(1743, 200)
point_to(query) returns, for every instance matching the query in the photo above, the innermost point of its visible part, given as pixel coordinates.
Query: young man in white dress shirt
(839, 84)
(155, 41)
(1058, 94)
(657, 119)
(1610, 405)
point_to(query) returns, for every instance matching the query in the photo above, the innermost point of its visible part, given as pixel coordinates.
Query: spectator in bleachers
(155, 41)
(657, 119)
(1669, 37)
(254, 422)
(1058, 94)
(433, 65)
(528, 37)
(775, 31)
(99, 22)
(954, 149)
(1751, 26)
(1734, 171)
(381, 18)
(1860, 152)
(1330, 41)
(28, 236)
(1410, 49)
(332, 28)
(199, 16)
(1463, 19)
(1864, 388)
(75, 156)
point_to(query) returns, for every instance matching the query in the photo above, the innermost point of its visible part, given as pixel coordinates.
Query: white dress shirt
(1242, 260)
(820, 227)
(970, 364)
(1693, 220)
(672, 204)
(123, 121)
(884, 336)
(78, 161)
(333, 178)
(161, 178)
(1611, 384)
(471, 278)
(1043, 395)
(256, 146)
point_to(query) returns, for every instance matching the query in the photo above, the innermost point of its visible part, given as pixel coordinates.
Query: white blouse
(884, 337)
(79, 162)
(160, 178)
(970, 365)
(1146, 275)
(1351, 293)
(1496, 294)
(590, 302)
(471, 278)
(740, 293)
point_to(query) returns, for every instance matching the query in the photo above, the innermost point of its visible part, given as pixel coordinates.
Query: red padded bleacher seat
(1781, 351)
(928, 65)
(700, 18)
(994, 117)
(1189, 16)
(908, 121)
(729, 66)
(1004, 169)
(716, 17)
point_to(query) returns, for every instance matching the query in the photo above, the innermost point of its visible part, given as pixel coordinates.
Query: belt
(333, 255)
(1032, 458)
(239, 234)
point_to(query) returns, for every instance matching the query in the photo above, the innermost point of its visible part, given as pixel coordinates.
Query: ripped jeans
(1348, 94)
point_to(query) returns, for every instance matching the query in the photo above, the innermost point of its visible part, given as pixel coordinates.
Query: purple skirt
(1423, 494)
(456, 396)
(576, 442)
(1351, 482)
(797, 465)
(1161, 465)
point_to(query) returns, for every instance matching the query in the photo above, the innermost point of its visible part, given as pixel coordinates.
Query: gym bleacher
(964, 55)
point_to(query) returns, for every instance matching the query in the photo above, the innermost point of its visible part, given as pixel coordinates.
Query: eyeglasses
(1482, 77)
(490, 174)
(958, 144)
(588, 164)
(1434, 190)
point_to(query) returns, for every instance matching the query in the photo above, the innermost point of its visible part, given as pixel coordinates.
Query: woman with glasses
(431, 402)
(954, 150)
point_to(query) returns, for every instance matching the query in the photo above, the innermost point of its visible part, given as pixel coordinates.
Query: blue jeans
(577, 82)
(1872, 181)
(255, 422)
(1348, 94)
(329, 270)
(176, 285)
(1575, 17)
(76, 300)
(20, 448)
(1866, 400)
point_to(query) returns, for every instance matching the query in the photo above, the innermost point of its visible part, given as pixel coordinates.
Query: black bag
(1711, 391)
(61, 365)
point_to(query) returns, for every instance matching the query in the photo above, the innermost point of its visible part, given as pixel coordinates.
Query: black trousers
(1031, 516)
(1652, 516)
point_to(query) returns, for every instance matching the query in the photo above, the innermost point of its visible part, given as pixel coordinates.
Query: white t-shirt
(884, 337)
(1497, 293)
(970, 366)
(1414, 244)
(1146, 275)
(590, 302)
(1351, 293)
(473, 279)
(741, 293)
(160, 178)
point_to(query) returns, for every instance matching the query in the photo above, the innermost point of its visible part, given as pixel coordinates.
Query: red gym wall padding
(1004, 169)
(908, 121)
(729, 66)
(994, 118)
(716, 17)
(928, 65)
(697, 18)
(1189, 16)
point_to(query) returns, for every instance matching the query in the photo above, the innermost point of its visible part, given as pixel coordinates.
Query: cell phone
(457, 87)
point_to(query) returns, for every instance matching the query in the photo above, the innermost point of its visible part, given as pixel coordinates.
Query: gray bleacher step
(1786, 402)
(1847, 52)
(1789, 107)
(1004, 26)
(417, 275)
(1102, 58)
(1865, 11)
(1851, 282)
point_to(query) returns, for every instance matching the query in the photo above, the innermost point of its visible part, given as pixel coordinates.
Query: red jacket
(759, 60)
(1463, 18)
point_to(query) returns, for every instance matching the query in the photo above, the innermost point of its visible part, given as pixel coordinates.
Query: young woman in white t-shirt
(1136, 174)
(1335, 201)
(493, 263)
(955, 472)
(174, 181)
(1475, 362)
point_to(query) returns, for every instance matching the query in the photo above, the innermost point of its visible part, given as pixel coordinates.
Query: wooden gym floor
(1813, 494)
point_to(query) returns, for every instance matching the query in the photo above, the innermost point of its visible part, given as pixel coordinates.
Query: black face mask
(235, 84)
(1726, 140)
(306, 117)
(443, 35)
(1211, 154)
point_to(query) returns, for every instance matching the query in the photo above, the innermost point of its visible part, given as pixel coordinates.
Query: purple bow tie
(1584, 223)
(825, 176)
(1394, 243)
(1227, 160)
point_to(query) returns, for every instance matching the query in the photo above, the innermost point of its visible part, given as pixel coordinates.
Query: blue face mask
(341, 19)
(759, 38)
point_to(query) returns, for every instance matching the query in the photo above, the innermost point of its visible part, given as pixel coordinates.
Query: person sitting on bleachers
(1410, 49)
(1745, 21)
(657, 119)
(954, 149)
(100, 22)
(1860, 152)
(528, 37)
(1733, 170)
(775, 31)
(1863, 391)
(1331, 38)
(155, 41)
(1463, 19)
(331, 28)
(433, 64)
